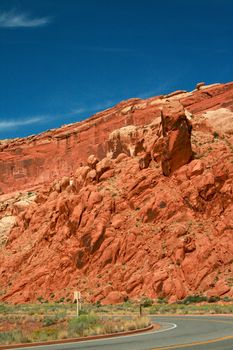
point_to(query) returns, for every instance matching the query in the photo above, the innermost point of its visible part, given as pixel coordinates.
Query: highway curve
(176, 332)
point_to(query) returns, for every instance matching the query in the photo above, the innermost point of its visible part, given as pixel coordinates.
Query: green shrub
(61, 300)
(162, 301)
(193, 299)
(3, 308)
(146, 302)
(40, 299)
(48, 321)
(213, 299)
(44, 334)
(15, 336)
(128, 303)
(163, 308)
(77, 326)
(227, 299)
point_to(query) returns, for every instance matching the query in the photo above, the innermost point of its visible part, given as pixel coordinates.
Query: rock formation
(135, 201)
(42, 158)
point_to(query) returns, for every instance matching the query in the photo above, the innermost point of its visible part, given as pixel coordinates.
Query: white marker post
(77, 298)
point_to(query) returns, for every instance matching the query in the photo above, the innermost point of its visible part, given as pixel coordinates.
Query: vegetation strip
(71, 340)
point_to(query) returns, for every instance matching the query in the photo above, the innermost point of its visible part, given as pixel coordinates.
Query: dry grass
(44, 321)
(36, 329)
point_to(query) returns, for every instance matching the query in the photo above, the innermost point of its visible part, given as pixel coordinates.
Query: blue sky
(63, 60)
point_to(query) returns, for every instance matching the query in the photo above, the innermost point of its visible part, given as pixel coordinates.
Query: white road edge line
(173, 325)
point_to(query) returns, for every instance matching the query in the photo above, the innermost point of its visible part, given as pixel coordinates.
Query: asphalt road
(176, 332)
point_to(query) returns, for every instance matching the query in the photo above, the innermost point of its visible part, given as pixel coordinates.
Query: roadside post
(77, 298)
(140, 309)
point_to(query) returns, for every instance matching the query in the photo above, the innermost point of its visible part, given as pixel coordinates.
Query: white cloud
(12, 19)
(108, 49)
(92, 108)
(11, 124)
(159, 89)
(77, 111)
(103, 105)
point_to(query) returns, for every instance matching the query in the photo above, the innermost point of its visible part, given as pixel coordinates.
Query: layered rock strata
(42, 158)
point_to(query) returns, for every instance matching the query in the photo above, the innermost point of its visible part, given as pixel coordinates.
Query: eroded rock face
(177, 150)
(166, 139)
(117, 228)
(6, 224)
(42, 158)
(128, 140)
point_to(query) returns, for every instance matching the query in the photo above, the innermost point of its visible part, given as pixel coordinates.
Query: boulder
(92, 161)
(117, 221)
(221, 288)
(65, 182)
(107, 175)
(91, 176)
(114, 297)
(121, 157)
(82, 172)
(196, 167)
(104, 165)
(144, 161)
(199, 85)
(6, 224)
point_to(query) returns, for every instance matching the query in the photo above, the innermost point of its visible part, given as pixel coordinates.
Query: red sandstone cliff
(153, 218)
(55, 153)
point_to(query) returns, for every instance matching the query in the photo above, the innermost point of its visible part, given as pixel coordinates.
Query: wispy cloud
(78, 110)
(92, 108)
(15, 123)
(112, 50)
(161, 88)
(108, 49)
(12, 19)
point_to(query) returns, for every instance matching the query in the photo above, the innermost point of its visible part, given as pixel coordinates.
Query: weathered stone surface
(199, 85)
(177, 150)
(65, 182)
(92, 161)
(115, 297)
(104, 165)
(107, 175)
(220, 289)
(128, 140)
(196, 167)
(121, 157)
(91, 176)
(6, 224)
(145, 160)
